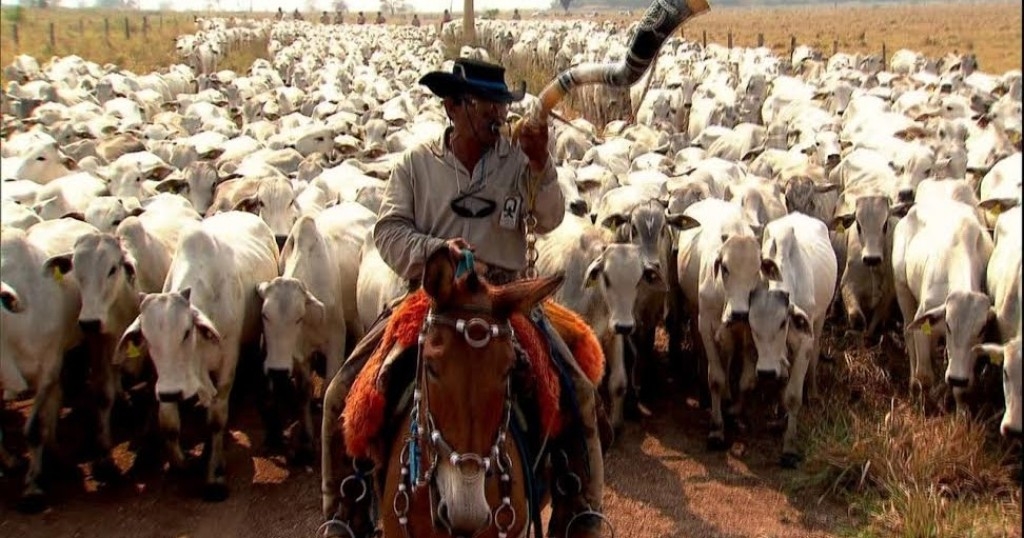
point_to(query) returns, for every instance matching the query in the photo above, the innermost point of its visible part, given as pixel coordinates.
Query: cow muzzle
(957, 382)
(872, 261)
(623, 328)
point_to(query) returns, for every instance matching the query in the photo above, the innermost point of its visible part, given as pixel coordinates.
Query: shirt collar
(440, 149)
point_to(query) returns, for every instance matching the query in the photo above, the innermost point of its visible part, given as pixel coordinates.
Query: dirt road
(661, 482)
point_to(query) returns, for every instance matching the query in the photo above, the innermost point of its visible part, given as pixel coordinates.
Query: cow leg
(792, 399)
(748, 376)
(812, 368)
(908, 308)
(105, 389)
(170, 429)
(304, 452)
(717, 384)
(216, 487)
(40, 433)
(616, 378)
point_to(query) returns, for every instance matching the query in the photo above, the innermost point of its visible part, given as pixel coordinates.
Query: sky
(353, 5)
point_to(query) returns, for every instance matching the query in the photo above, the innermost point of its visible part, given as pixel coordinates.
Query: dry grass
(906, 472)
(99, 36)
(992, 30)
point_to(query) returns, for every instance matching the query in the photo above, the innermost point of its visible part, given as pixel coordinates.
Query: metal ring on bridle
(360, 481)
(604, 520)
(457, 460)
(464, 327)
(577, 484)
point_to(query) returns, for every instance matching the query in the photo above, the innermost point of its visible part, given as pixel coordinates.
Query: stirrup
(589, 512)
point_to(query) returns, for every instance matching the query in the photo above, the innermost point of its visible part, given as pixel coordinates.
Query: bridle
(423, 431)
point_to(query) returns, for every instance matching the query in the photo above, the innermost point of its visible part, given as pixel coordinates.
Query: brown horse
(468, 479)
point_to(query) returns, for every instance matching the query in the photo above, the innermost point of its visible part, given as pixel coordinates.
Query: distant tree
(41, 3)
(340, 5)
(392, 6)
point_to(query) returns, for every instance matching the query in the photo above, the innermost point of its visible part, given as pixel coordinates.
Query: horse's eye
(431, 372)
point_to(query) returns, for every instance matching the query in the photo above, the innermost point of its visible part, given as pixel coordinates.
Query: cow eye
(41, 158)
(112, 271)
(783, 324)
(188, 332)
(116, 222)
(725, 270)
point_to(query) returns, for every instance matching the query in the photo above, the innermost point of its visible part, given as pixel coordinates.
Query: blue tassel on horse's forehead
(466, 264)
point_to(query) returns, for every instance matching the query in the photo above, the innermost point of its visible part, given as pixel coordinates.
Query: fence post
(705, 38)
(883, 55)
(792, 47)
(106, 28)
(53, 36)
(14, 32)
(729, 38)
(760, 39)
(127, 29)
(835, 47)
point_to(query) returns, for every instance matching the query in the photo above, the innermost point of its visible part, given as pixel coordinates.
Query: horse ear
(439, 276)
(524, 295)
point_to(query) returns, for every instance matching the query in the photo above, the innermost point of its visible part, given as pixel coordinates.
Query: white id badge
(510, 213)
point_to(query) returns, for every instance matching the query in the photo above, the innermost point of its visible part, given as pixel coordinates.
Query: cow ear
(10, 299)
(929, 320)
(129, 268)
(316, 312)
(131, 348)
(594, 272)
(613, 221)
(841, 223)
(58, 266)
(770, 269)
(186, 294)
(992, 352)
(136, 211)
(77, 215)
(901, 210)
(261, 289)
(680, 221)
(204, 326)
(250, 204)
(172, 185)
(799, 320)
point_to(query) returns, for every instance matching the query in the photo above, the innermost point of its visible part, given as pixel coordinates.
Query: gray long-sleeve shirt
(416, 219)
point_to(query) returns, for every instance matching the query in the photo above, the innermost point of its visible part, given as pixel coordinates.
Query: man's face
(477, 117)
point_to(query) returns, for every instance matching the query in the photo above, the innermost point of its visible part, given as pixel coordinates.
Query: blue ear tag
(466, 264)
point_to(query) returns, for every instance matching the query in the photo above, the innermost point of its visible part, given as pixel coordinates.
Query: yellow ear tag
(133, 351)
(995, 358)
(996, 210)
(57, 275)
(927, 328)
(840, 228)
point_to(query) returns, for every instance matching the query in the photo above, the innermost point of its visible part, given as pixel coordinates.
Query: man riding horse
(471, 193)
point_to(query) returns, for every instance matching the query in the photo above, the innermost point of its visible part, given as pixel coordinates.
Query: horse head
(462, 405)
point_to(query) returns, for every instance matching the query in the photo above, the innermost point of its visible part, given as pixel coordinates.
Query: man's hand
(455, 248)
(533, 139)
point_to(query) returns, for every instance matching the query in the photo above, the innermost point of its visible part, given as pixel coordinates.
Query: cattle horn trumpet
(659, 21)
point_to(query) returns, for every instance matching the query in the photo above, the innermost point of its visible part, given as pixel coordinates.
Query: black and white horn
(661, 19)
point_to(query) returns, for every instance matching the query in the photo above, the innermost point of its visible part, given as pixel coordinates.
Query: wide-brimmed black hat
(474, 77)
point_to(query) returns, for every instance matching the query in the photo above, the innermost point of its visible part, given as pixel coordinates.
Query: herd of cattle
(175, 223)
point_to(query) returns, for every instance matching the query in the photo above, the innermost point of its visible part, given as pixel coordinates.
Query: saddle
(368, 401)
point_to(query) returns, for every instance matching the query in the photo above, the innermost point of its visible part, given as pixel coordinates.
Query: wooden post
(127, 29)
(705, 38)
(792, 47)
(106, 28)
(760, 39)
(883, 55)
(53, 37)
(14, 32)
(729, 38)
(835, 47)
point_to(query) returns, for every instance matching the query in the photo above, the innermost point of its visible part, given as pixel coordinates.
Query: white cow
(939, 256)
(197, 327)
(718, 266)
(378, 285)
(787, 317)
(1009, 355)
(602, 281)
